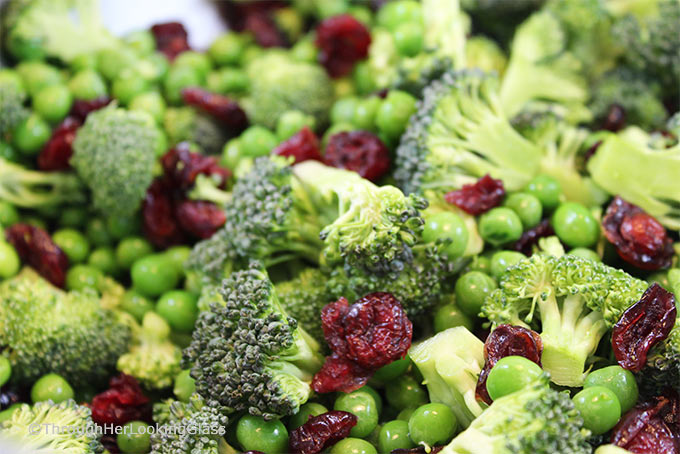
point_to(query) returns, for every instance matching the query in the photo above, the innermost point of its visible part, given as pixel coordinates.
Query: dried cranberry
(171, 39)
(340, 374)
(651, 427)
(321, 432)
(57, 152)
(225, 110)
(181, 166)
(303, 146)
(8, 397)
(123, 402)
(82, 108)
(643, 325)
(360, 151)
(342, 41)
(615, 119)
(264, 29)
(36, 248)
(639, 238)
(160, 225)
(199, 218)
(110, 443)
(479, 197)
(507, 340)
(255, 17)
(530, 237)
(590, 152)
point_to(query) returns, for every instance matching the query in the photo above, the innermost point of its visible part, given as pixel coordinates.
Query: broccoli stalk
(205, 188)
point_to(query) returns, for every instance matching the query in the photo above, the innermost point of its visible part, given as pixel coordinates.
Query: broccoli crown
(152, 359)
(81, 437)
(459, 134)
(114, 154)
(185, 124)
(248, 354)
(444, 29)
(47, 330)
(536, 419)
(12, 98)
(450, 363)
(196, 426)
(483, 53)
(61, 29)
(663, 364)
(577, 300)
(279, 84)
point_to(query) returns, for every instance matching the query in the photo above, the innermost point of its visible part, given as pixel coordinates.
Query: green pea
(343, 110)
(5, 370)
(35, 221)
(150, 102)
(160, 65)
(599, 408)
(255, 434)
(8, 153)
(251, 53)
(228, 49)
(547, 190)
(53, 102)
(178, 255)
(304, 50)
(394, 113)
(309, 409)
(511, 374)
(104, 259)
(471, 289)
(73, 243)
(136, 304)
(257, 141)
(618, 380)
(96, 232)
(7, 414)
(179, 308)
(37, 75)
(141, 41)
(394, 435)
(31, 134)
(73, 217)
(353, 446)
(585, 253)
(398, 12)
(450, 316)
(450, 227)
(408, 37)
(292, 121)
(405, 414)
(51, 387)
(84, 61)
(365, 113)
(575, 225)
(131, 249)
(135, 438)
(127, 85)
(362, 14)
(376, 396)
(122, 226)
(432, 424)
(9, 215)
(111, 62)
(502, 260)
(362, 405)
(391, 370)
(184, 386)
(179, 78)
(198, 61)
(228, 81)
(87, 84)
(405, 392)
(499, 226)
(80, 277)
(231, 153)
(527, 206)
(154, 275)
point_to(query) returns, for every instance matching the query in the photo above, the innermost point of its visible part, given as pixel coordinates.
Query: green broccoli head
(248, 354)
(48, 417)
(184, 124)
(536, 419)
(12, 99)
(279, 84)
(485, 54)
(414, 74)
(572, 302)
(663, 364)
(114, 155)
(47, 330)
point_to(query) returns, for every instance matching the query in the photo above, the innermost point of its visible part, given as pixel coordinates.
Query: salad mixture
(346, 227)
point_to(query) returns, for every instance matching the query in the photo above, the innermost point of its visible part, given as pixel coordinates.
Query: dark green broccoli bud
(12, 99)
(247, 354)
(417, 73)
(536, 419)
(47, 427)
(663, 364)
(572, 302)
(114, 154)
(184, 124)
(47, 330)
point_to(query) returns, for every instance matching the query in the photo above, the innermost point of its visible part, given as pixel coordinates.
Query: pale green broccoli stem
(206, 189)
(30, 188)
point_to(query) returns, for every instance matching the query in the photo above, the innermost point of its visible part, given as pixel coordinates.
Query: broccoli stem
(30, 189)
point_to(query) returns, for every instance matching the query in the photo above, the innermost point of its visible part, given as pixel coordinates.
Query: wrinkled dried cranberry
(123, 402)
(264, 29)
(160, 226)
(303, 146)
(643, 325)
(57, 152)
(342, 41)
(639, 238)
(507, 340)
(418, 450)
(181, 166)
(8, 397)
(360, 151)
(35, 247)
(340, 374)
(530, 237)
(255, 17)
(479, 197)
(615, 119)
(81, 108)
(225, 110)
(171, 38)
(199, 218)
(321, 432)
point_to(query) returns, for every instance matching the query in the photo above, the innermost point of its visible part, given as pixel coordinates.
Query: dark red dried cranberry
(340, 374)
(171, 39)
(643, 325)
(303, 146)
(360, 151)
(342, 41)
(321, 432)
(57, 152)
(264, 29)
(123, 402)
(507, 340)
(35, 247)
(81, 108)
(255, 17)
(110, 443)
(181, 166)
(530, 237)
(225, 110)
(479, 197)
(638, 237)
(199, 218)
(615, 119)
(158, 217)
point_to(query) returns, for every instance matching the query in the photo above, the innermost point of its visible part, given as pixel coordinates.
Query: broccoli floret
(414, 74)
(65, 427)
(206, 188)
(483, 53)
(444, 28)
(279, 84)
(153, 359)
(572, 302)
(663, 363)
(498, 18)
(63, 29)
(12, 99)
(45, 329)
(34, 189)
(185, 124)
(248, 354)
(450, 363)
(536, 419)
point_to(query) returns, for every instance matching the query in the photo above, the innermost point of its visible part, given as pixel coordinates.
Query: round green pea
(179, 308)
(471, 289)
(527, 207)
(391, 371)
(231, 154)
(228, 81)
(499, 226)
(73, 217)
(353, 446)
(547, 189)
(154, 275)
(111, 62)
(96, 232)
(502, 260)
(408, 37)
(53, 102)
(104, 259)
(309, 409)
(160, 64)
(136, 304)
(9, 260)
(394, 435)
(135, 438)
(618, 380)
(575, 225)
(84, 61)
(198, 61)
(257, 141)
(73, 243)
(80, 277)
(227, 49)
(405, 392)
(37, 75)
(8, 153)
(365, 113)
(599, 408)
(51, 387)
(5, 370)
(343, 110)
(131, 249)
(141, 41)
(184, 386)
(292, 121)
(405, 414)
(304, 50)
(362, 405)
(178, 255)
(450, 227)
(432, 424)
(87, 84)
(398, 12)
(376, 396)
(450, 316)
(127, 85)
(179, 78)
(150, 102)
(255, 434)
(585, 253)
(394, 113)
(31, 134)
(9, 215)
(511, 374)
(122, 226)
